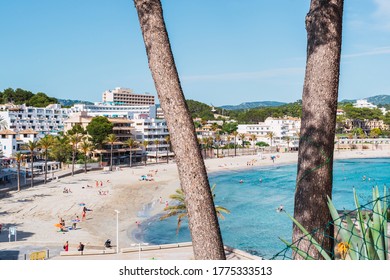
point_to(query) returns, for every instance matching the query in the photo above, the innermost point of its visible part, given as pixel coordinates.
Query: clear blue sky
(226, 51)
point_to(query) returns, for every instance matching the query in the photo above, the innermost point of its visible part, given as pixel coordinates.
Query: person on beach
(81, 247)
(66, 246)
(83, 215)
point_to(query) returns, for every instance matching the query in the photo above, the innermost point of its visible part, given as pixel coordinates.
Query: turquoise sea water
(254, 225)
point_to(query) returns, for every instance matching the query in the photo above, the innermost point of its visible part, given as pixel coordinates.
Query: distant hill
(250, 105)
(377, 99)
(70, 102)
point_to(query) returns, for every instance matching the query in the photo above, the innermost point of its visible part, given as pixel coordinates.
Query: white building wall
(49, 120)
(115, 111)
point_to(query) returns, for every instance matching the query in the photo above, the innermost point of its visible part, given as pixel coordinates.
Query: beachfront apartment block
(48, 120)
(152, 130)
(280, 127)
(12, 142)
(126, 96)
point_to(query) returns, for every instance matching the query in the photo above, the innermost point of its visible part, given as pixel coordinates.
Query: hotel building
(125, 96)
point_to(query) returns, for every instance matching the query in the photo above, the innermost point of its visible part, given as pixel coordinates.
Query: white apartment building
(44, 121)
(287, 126)
(363, 103)
(115, 111)
(151, 129)
(12, 142)
(280, 127)
(126, 96)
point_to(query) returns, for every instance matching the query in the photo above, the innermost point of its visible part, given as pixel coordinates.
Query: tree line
(20, 96)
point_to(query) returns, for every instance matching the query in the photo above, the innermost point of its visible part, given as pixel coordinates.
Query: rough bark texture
(319, 105)
(203, 222)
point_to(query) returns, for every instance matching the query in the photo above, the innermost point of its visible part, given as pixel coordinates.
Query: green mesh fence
(360, 234)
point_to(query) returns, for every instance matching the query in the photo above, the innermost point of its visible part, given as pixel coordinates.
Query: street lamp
(117, 231)
(139, 248)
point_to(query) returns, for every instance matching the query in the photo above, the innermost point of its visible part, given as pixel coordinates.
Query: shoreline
(35, 211)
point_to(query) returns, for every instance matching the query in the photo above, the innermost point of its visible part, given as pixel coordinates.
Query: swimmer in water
(280, 208)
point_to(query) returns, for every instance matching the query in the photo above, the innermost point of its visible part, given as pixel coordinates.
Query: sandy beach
(35, 211)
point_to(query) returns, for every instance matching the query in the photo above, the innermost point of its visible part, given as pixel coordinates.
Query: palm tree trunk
(85, 164)
(319, 104)
(202, 218)
(235, 147)
(45, 166)
(18, 176)
(32, 171)
(73, 160)
(131, 159)
(111, 150)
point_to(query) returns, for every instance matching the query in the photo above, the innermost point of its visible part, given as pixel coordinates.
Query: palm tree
(31, 147)
(228, 138)
(235, 133)
(168, 140)
(254, 138)
(74, 140)
(45, 144)
(19, 158)
(202, 218)
(319, 106)
(288, 140)
(271, 136)
(156, 142)
(3, 123)
(61, 150)
(180, 209)
(85, 147)
(205, 142)
(242, 137)
(145, 144)
(111, 139)
(218, 141)
(131, 143)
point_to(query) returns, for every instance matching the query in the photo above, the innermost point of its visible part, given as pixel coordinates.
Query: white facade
(49, 120)
(287, 126)
(363, 103)
(115, 111)
(280, 127)
(126, 96)
(12, 142)
(151, 129)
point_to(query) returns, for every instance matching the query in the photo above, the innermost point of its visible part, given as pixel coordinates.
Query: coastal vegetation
(21, 96)
(179, 208)
(361, 234)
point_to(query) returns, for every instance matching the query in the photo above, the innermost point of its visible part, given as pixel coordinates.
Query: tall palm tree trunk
(45, 166)
(131, 158)
(18, 175)
(202, 218)
(111, 150)
(32, 170)
(319, 104)
(73, 159)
